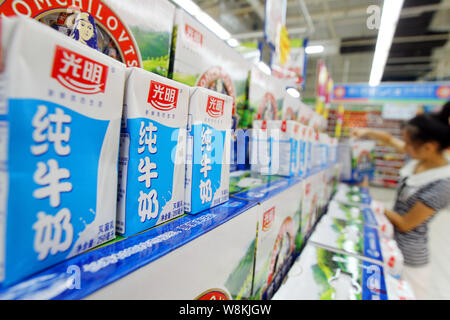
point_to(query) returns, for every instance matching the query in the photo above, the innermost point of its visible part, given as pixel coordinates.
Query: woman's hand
(358, 133)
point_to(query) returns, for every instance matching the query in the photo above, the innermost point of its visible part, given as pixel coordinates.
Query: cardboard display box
(200, 58)
(265, 97)
(278, 240)
(215, 248)
(320, 274)
(138, 33)
(349, 236)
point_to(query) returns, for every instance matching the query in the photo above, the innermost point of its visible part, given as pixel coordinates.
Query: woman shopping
(423, 189)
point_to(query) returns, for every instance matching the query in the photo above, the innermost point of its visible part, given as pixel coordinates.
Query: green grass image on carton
(239, 283)
(237, 183)
(185, 78)
(154, 48)
(347, 209)
(346, 229)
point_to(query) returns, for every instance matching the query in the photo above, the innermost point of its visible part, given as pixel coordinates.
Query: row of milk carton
(86, 142)
(289, 148)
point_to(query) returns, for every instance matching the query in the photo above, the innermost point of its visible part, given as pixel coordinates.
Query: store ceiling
(420, 49)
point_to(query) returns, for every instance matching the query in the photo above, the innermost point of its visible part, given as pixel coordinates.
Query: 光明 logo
(162, 96)
(193, 34)
(78, 73)
(215, 107)
(268, 218)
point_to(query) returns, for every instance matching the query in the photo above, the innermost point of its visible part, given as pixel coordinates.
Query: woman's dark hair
(428, 127)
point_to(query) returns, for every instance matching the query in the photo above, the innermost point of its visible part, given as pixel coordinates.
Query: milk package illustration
(60, 124)
(321, 274)
(152, 152)
(350, 236)
(208, 150)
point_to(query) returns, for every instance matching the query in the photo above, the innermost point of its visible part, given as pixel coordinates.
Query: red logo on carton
(215, 107)
(268, 218)
(213, 294)
(162, 96)
(78, 73)
(193, 34)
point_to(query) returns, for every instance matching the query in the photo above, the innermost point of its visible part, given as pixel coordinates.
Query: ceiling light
(388, 24)
(314, 49)
(195, 11)
(264, 68)
(233, 42)
(293, 92)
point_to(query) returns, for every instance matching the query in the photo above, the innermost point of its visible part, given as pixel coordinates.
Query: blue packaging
(60, 116)
(152, 152)
(208, 146)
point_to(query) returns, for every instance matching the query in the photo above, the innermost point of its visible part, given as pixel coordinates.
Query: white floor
(439, 244)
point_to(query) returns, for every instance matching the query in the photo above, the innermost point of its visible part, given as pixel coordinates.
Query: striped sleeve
(437, 195)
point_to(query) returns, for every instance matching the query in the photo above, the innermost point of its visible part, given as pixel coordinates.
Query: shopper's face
(417, 150)
(411, 148)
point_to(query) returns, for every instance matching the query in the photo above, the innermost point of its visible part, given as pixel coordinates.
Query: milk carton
(363, 159)
(260, 153)
(309, 140)
(208, 150)
(152, 152)
(60, 123)
(309, 205)
(301, 138)
(304, 114)
(358, 159)
(284, 157)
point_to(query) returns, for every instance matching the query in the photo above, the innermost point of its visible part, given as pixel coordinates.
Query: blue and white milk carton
(208, 150)
(283, 147)
(152, 152)
(260, 148)
(60, 113)
(301, 150)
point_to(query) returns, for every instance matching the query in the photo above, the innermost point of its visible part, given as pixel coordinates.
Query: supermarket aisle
(439, 240)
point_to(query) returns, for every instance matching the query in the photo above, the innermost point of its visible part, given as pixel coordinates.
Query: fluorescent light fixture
(204, 18)
(314, 49)
(233, 42)
(293, 92)
(388, 24)
(264, 68)
(189, 6)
